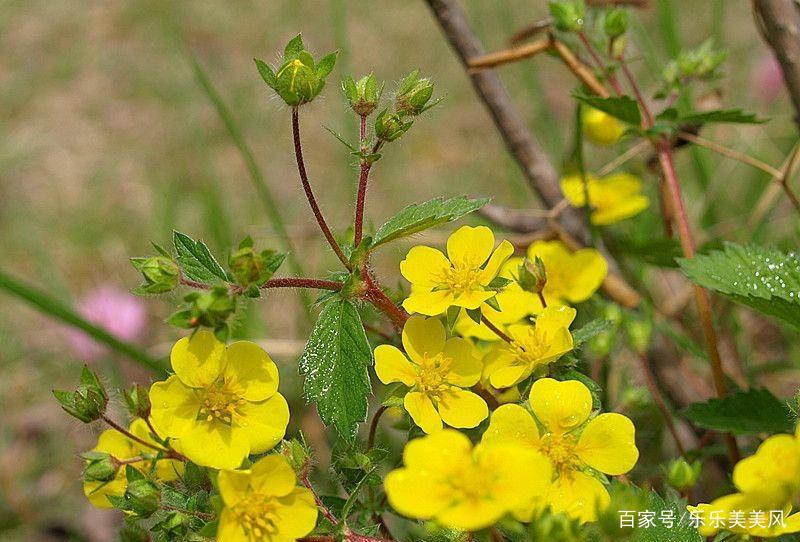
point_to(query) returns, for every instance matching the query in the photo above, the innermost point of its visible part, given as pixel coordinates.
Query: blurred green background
(108, 142)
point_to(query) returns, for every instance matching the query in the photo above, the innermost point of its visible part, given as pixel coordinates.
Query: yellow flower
(768, 480)
(222, 403)
(573, 445)
(572, 277)
(121, 447)
(264, 504)
(459, 279)
(741, 514)
(613, 198)
(461, 487)
(533, 346)
(601, 128)
(437, 370)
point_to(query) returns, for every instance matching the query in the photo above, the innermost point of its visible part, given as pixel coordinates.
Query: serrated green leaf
(196, 260)
(743, 413)
(728, 116)
(590, 330)
(342, 140)
(766, 280)
(421, 216)
(335, 362)
(623, 108)
(680, 531)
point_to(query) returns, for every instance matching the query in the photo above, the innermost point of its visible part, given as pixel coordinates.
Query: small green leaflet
(764, 279)
(590, 330)
(743, 413)
(196, 260)
(728, 116)
(623, 108)
(421, 216)
(680, 531)
(335, 362)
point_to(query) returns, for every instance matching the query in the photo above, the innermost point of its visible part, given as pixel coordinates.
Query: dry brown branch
(779, 24)
(510, 55)
(581, 71)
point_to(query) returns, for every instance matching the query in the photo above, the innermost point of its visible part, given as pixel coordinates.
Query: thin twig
(580, 70)
(612, 79)
(496, 330)
(730, 153)
(660, 403)
(510, 55)
(764, 204)
(373, 426)
(312, 200)
(623, 158)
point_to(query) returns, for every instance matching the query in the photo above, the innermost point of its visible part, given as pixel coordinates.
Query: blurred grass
(109, 143)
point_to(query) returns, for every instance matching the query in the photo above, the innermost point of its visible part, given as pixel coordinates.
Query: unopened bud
(532, 275)
(137, 400)
(683, 475)
(568, 15)
(390, 126)
(639, 331)
(363, 95)
(160, 274)
(142, 497)
(100, 467)
(413, 94)
(88, 402)
(296, 453)
(616, 23)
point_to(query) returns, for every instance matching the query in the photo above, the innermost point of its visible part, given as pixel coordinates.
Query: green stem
(60, 311)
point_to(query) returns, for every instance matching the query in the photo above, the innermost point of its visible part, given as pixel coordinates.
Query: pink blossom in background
(766, 79)
(118, 312)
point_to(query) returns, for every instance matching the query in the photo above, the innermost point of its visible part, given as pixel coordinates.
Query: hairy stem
(373, 426)
(496, 330)
(312, 201)
(297, 282)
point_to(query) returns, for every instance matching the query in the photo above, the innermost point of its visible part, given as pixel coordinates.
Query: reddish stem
(496, 330)
(361, 197)
(660, 403)
(373, 426)
(298, 282)
(600, 64)
(312, 201)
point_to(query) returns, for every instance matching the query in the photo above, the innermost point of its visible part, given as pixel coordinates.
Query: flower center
(472, 484)
(431, 372)
(461, 279)
(221, 402)
(531, 347)
(256, 515)
(560, 449)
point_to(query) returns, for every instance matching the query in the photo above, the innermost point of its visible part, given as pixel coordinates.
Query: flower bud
(160, 274)
(413, 94)
(212, 309)
(296, 453)
(639, 332)
(615, 23)
(299, 79)
(532, 275)
(568, 15)
(601, 128)
(142, 497)
(100, 467)
(363, 95)
(683, 475)
(88, 402)
(137, 400)
(390, 126)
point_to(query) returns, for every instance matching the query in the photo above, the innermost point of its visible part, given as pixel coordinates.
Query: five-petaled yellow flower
(574, 446)
(465, 488)
(613, 198)
(264, 504)
(222, 404)
(459, 279)
(533, 346)
(572, 277)
(121, 447)
(600, 127)
(767, 481)
(437, 370)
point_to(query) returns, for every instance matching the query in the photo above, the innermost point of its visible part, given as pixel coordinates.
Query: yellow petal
(607, 444)
(578, 495)
(428, 303)
(512, 424)
(553, 318)
(215, 445)
(98, 492)
(296, 514)
(423, 265)
(472, 299)
(423, 336)
(560, 406)
(230, 530)
(174, 407)
(391, 365)
(251, 367)
(573, 189)
(465, 368)
(462, 408)
(620, 210)
(587, 271)
(441, 452)
(198, 360)
(272, 476)
(264, 422)
(773, 469)
(521, 474)
(421, 409)
(472, 515)
(468, 247)
(115, 443)
(234, 485)
(601, 128)
(502, 253)
(417, 493)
